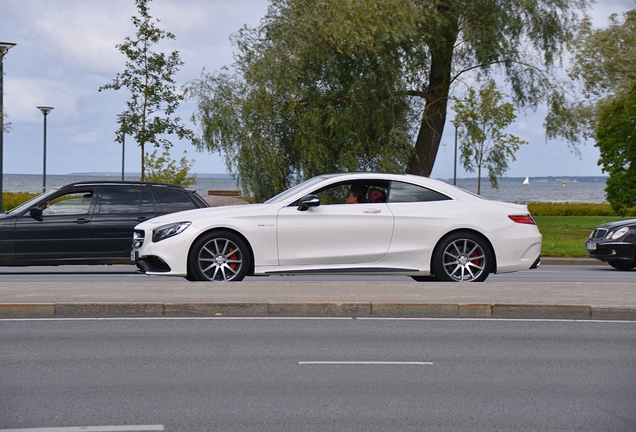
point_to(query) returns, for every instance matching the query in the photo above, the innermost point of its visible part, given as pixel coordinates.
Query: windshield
(25, 206)
(285, 195)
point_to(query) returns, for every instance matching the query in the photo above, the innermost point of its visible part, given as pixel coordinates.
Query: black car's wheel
(219, 256)
(622, 265)
(462, 257)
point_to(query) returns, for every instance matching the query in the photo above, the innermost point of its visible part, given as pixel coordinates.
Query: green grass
(564, 236)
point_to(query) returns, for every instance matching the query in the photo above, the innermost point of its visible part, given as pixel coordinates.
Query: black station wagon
(87, 222)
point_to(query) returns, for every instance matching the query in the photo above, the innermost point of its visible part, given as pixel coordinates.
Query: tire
(219, 256)
(622, 265)
(462, 257)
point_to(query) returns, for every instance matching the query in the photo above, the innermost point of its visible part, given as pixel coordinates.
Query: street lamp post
(45, 110)
(124, 117)
(455, 165)
(4, 47)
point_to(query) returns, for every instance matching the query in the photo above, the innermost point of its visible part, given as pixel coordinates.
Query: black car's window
(169, 201)
(126, 201)
(74, 203)
(406, 192)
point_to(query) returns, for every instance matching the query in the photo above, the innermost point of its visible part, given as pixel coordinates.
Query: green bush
(14, 199)
(572, 209)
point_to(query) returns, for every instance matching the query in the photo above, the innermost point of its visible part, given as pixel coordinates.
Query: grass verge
(564, 236)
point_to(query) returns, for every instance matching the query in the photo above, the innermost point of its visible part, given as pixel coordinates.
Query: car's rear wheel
(219, 257)
(462, 257)
(622, 265)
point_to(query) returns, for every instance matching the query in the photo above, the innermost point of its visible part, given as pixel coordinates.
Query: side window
(75, 203)
(169, 201)
(334, 194)
(364, 191)
(126, 201)
(406, 192)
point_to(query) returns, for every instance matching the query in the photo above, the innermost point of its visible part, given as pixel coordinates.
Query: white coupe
(402, 224)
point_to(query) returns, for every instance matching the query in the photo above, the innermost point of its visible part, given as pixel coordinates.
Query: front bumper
(611, 251)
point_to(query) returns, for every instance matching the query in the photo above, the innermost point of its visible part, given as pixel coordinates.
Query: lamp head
(123, 116)
(45, 110)
(4, 47)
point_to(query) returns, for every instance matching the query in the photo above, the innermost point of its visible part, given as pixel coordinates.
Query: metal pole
(123, 154)
(2, 51)
(44, 158)
(455, 167)
(45, 110)
(123, 118)
(4, 47)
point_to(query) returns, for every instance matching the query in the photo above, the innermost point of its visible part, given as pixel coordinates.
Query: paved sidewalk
(177, 297)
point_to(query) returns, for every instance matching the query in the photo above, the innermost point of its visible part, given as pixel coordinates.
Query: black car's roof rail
(118, 183)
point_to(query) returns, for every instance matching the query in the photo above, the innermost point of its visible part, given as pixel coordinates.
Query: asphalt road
(314, 375)
(547, 273)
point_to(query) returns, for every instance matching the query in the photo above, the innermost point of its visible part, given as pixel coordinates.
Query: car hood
(618, 224)
(204, 214)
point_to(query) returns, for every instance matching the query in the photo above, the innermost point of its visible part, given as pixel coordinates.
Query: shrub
(13, 199)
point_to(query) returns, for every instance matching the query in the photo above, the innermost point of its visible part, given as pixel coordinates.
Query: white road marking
(90, 429)
(363, 363)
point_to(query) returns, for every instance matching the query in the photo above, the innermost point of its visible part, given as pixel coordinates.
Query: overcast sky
(66, 50)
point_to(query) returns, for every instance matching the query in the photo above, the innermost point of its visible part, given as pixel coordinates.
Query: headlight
(618, 234)
(168, 231)
(138, 239)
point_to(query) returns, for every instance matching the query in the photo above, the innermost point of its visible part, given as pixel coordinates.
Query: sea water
(545, 189)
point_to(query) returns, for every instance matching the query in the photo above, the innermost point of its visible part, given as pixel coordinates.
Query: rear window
(406, 192)
(169, 201)
(126, 201)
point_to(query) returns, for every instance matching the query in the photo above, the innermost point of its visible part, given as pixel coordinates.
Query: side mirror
(35, 212)
(308, 201)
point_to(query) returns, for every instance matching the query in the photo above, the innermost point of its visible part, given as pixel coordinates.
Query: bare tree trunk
(434, 117)
(143, 163)
(479, 180)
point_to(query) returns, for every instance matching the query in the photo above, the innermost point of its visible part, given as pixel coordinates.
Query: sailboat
(527, 180)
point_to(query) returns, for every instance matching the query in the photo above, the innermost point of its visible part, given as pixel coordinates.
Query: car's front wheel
(462, 257)
(622, 265)
(218, 256)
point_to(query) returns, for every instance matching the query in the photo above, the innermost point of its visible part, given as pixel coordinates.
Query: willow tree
(345, 84)
(316, 89)
(604, 68)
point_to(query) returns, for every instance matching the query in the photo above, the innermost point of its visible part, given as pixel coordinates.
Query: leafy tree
(149, 79)
(162, 169)
(616, 140)
(520, 40)
(604, 64)
(481, 118)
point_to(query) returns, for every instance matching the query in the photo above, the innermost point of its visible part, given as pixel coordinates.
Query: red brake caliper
(475, 262)
(233, 257)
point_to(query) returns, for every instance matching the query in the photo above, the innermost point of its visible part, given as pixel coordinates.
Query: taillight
(523, 219)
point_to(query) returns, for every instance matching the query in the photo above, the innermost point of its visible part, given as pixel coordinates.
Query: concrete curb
(316, 309)
(571, 261)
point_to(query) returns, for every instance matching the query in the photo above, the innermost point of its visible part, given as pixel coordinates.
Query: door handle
(81, 221)
(372, 211)
(141, 218)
